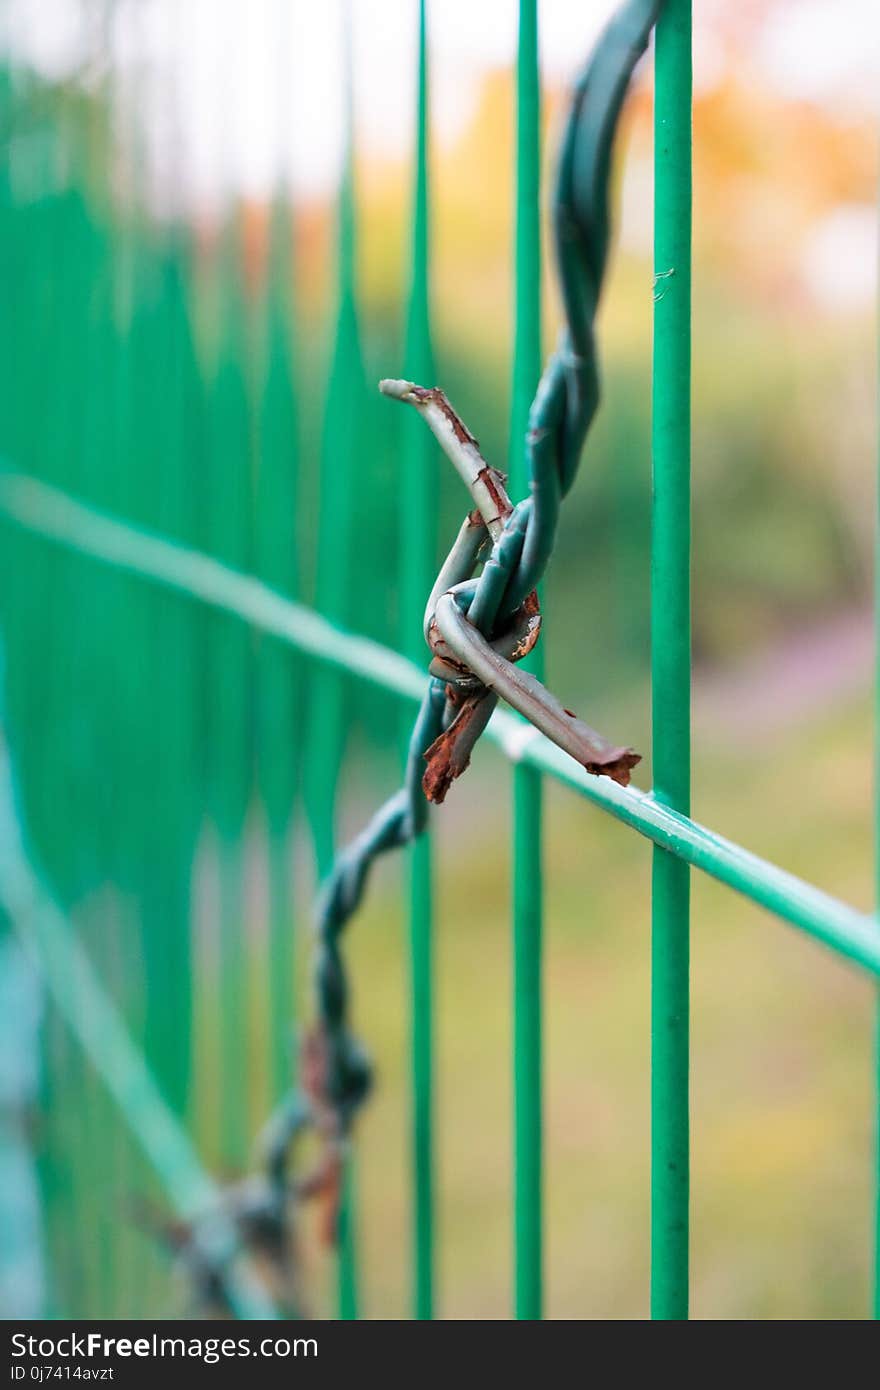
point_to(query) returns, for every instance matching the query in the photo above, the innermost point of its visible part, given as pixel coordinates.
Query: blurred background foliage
(169, 359)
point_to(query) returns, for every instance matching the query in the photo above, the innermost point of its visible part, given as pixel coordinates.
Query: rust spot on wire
(450, 753)
(495, 483)
(618, 764)
(435, 395)
(323, 1182)
(530, 611)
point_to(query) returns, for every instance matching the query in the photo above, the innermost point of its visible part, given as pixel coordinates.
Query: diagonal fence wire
(100, 1030)
(53, 515)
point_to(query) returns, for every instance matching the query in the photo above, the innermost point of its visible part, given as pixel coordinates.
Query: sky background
(244, 105)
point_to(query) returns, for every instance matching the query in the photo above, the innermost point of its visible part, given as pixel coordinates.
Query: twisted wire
(568, 394)
(500, 604)
(401, 819)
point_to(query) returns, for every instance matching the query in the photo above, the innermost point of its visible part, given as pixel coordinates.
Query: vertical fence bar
(670, 660)
(135, 1273)
(875, 1305)
(279, 678)
(335, 553)
(22, 1220)
(527, 790)
(230, 707)
(282, 688)
(344, 403)
(418, 491)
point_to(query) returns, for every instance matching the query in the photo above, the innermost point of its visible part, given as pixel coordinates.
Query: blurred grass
(782, 1056)
(782, 1053)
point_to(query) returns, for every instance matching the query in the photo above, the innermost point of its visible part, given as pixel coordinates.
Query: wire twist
(478, 628)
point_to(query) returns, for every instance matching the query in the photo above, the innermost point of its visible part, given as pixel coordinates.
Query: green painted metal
(176, 688)
(93, 296)
(343, 409)
(527, 846)
(280, 689)
(113, 691)
(333, 578)
(279, 693)
(418, 489)
(527, 1042)
(22, 1264)
(876, 1270)
(229, 511)
(876, 1290)
(671, 661)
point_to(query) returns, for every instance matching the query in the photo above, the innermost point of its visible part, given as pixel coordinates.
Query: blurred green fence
(187, 543)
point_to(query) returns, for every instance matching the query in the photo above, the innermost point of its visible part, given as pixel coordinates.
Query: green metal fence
(173, 663)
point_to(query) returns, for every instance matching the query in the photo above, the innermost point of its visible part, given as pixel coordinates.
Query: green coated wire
(327, 695)
(80, 244)
(279, 693)
(417, 490)
(230, 654)
(526, 847)
(671, 664)
(876, 1251)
